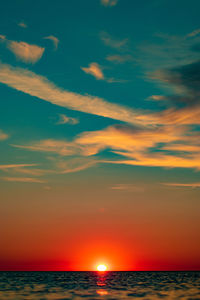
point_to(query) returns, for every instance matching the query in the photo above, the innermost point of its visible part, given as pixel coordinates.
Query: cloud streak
(11, 166)
(54, 39)
(23, 179)
(38, 86)
(183, 185)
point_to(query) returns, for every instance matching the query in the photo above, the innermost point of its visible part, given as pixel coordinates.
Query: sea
(99, 285)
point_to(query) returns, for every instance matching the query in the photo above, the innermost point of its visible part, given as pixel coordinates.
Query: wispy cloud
(95, 70)
(10, 166)
(63, 119)
(75, 165)
(135, 145)
(2, 37)
(54, 39)
(183, 185)
(61, 147)
(156, 97)
(108, 40)
(119, 59)
(109, 2)
(167, 51)
(194, 33)
(22, 24)
(128, 187)
(23, 179)
(3, 135)
(38, 86)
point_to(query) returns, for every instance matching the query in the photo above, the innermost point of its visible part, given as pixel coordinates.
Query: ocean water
(97, 285)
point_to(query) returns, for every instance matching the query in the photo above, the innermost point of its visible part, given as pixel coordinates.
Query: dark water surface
(94, 285)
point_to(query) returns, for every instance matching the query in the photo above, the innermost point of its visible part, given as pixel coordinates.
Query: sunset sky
(100, 134)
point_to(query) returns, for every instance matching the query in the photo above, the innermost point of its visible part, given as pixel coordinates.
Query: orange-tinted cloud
(26, 52)
(3, 135)
(109, 2)
(95, 70)
(23, 179)
(54, 39)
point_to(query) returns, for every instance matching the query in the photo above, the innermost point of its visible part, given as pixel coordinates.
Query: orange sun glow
(101, 268)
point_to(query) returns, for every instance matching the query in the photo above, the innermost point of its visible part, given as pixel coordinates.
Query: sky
(100, 134)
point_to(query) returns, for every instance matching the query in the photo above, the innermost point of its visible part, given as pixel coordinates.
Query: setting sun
(101, 268)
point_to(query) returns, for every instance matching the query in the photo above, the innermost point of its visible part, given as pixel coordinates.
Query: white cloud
(109, 2)
(95, 70)
(54, 39)
(63, 119)
(26, 52)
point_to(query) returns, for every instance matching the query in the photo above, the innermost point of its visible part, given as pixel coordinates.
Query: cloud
(5, 167)
(108, 40)
(95, 70)
(183, 185)
(23, 179)
(54, 39)
(159, 160)
(27, 171)
(167, 52)
(61, 147)
(194, 33)
(119, 59)
(2, 37)
(109, 2)
(133, 146)
(127, 187)
(38, 86)
(75, 165)
(126, 138)
(63, 119)
(156, 97)
(26, 52)
(22, 24)
(3, 135)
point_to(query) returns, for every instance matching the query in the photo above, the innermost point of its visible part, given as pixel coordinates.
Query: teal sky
(100, 114)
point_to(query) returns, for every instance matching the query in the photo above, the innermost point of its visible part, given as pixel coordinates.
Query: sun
(102, 268)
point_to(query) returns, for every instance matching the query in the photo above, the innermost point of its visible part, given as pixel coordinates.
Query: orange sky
(131, 231)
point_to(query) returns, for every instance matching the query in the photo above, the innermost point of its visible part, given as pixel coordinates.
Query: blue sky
(126, 57)
(102, 94)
